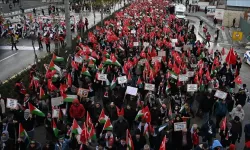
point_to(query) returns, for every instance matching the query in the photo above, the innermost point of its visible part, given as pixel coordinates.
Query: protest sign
(193, 65)
(179, 126)
(187, 47)
(220, 94)
(161, 53)
(192, 87)
(157, 58)
(174, 40)
(83, 92)
(183, 77)
(178, 49)
(55, 113)
(190, 74)
(149, 87)
(102, 77)
(56, 101)
(11, 103)
(78, 59)
(122, 80)
(145, 44)
(131, 90)
(136, 43)
(133, 31)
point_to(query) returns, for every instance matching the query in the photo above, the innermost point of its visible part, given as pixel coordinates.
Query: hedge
(7, 88)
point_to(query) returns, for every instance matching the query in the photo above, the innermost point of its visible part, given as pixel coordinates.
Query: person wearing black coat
(236, 129)
(208, 131)
(120, 127)
(122, 145)
(206, 105)
(138, 140)
(129, 115)
(186, 136)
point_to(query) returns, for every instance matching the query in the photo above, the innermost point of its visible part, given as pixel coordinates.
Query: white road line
(8, 57)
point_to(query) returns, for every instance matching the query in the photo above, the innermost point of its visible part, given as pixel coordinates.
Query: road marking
(8, 57)
(22, 48)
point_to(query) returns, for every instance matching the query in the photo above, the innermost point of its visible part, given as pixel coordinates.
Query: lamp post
(68, 27)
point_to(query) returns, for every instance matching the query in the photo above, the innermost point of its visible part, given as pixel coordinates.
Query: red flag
(41, 93)
(69, 80)
(163, 143)
(51, 86)
(238, 80)
(146, 114)
(120, 112)
(208, 75)
(223, 124)
(74, 65)
(231, 57)
(84, 134)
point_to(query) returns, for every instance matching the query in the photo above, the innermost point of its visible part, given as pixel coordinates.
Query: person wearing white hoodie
(238, 111)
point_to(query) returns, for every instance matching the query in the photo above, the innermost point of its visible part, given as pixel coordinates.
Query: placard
(179, 126)
(187, 47)
(102, 77)
(56, 101)
(193, 65)
(178, 49)
(136, 43)
(145, 44)
(83, 92)
(183, 77)
(190, 74)
(220, 94)
(161, 53)
(156, 58)
(192, 87)
(11, 103)
(131, 90)
(55, 113)
(174, 40)
(133, 31)
(122, 80)
(149, 87)
(78, 59)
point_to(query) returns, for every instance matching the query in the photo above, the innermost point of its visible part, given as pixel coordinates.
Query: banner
(122, 80)
(83, 92)
(56, 101)
(11, 103)
(220, 94)
(55, 113)
(131, 90)
(149, 87)
(219, 14)
(192, 87)
(102, 77)
(179, 126)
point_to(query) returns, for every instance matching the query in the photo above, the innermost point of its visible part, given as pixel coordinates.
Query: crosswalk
(22, 48)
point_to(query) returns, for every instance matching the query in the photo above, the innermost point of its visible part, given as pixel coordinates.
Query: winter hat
(232, 147)
(236, 118)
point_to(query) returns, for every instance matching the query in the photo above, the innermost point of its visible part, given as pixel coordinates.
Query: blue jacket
(216, 143)
(65, 145)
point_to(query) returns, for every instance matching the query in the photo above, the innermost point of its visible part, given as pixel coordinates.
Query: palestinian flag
(129, 141)
(92, 133)
(55, 130)
(167, 88)
(35, 111)
(139, 83)
(108, 62)
(108, 126)
(115, 62)
(69, 98)
(85, 72)
(51, 86)
(57, 59)
(76, 129)
(102, 118)
(106, 54)
(52, 66)
(91, 63)
(173, 75)
(139, 114)
(113, 83)
(41, 93)
(69, 80)
(22, 132)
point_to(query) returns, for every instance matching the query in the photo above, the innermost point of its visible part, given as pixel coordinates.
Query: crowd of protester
(140, 82)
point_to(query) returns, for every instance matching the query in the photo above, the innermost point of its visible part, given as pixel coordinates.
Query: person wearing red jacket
(47, 42)
(77, 111)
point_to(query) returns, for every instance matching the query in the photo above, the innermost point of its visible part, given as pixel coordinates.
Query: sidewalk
(245, 43)
(211, 28)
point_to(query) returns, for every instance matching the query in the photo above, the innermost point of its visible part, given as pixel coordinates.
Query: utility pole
(68, 27)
